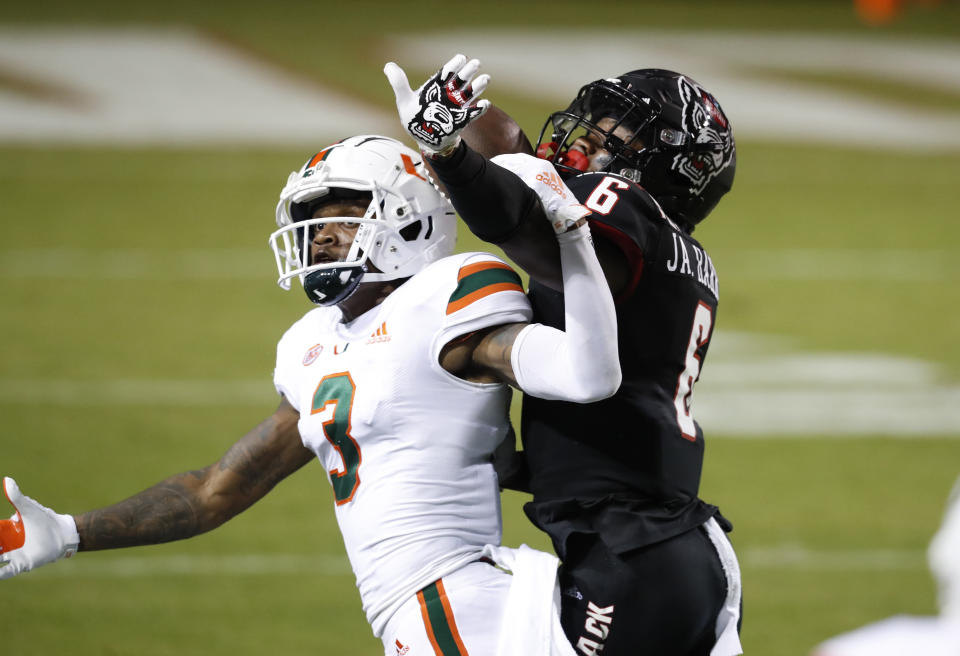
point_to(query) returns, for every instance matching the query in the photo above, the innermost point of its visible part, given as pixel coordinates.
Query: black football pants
(659, 600)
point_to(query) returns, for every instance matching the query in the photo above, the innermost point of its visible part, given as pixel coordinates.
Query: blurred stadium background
(142, 148)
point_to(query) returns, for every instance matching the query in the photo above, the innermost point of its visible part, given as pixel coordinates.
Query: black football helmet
(680, 146)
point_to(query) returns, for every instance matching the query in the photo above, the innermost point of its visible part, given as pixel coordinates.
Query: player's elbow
(613, 381)
(599, 386)
(549, 365)
(220, 498)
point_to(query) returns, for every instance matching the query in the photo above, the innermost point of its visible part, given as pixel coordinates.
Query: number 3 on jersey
(333, 401)
(683, 398)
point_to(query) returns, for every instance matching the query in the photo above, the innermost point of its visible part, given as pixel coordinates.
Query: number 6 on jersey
(683, 398)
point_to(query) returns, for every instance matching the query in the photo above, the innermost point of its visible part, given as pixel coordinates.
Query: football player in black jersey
(646, 565)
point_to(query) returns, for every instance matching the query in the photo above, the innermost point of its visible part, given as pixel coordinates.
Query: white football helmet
(407, 225)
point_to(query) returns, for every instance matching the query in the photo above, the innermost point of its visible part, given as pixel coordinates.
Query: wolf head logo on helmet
(407, 225)
(703, 117)
(661, 129)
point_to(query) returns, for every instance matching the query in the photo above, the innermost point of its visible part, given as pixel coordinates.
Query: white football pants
(458, 615)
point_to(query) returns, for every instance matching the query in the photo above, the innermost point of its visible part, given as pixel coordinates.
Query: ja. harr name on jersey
(699, 266)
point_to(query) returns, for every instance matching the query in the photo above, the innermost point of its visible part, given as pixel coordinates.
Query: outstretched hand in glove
(437, 112)
(34, 535)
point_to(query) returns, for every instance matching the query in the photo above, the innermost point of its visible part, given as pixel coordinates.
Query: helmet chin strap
(378, 276)
(326, 287)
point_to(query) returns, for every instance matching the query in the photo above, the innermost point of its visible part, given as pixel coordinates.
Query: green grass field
(139, 315)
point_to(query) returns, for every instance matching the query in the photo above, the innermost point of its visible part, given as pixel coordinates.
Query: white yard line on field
(178, 86)
(170, 86)
(756, 396)
(803, 558)
(758, 385)
(780, 557)
(740, 68)
(916, 265)
(138, 264)
(811, 264)
(753, 386)
(169, 393)
(757, 412)
(115, 566)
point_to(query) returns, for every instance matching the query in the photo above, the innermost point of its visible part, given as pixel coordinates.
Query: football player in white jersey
(397, 383)
(906, 635)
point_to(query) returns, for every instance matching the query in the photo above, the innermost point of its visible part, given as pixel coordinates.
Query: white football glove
(561, 205)
(34, 535)
(435, 113)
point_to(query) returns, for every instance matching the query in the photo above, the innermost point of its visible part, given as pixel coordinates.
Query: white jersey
(406, 444)
(902, 635)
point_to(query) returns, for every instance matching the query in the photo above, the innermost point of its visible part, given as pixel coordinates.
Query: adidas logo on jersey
(380, 335)
(401, 648)
(554, 181)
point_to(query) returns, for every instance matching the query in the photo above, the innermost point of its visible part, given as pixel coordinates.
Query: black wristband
(451, 169)
(491, 200)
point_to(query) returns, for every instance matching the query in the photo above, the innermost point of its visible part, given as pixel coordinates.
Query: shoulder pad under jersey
(486, 292)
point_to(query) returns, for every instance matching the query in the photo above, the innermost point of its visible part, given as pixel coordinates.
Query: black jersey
(629, 467)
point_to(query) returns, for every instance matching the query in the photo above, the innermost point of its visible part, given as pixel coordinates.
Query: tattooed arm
(194, 502)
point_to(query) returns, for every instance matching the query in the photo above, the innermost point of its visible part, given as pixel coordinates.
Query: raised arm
(500, 209)
(179, 507)
(579, 363)
(497, 206)
(496, 133)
